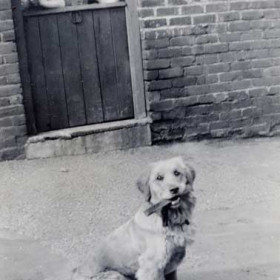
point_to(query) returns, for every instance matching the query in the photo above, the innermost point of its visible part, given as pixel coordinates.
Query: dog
(152, 247)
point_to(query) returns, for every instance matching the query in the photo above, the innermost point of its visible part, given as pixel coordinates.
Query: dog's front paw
(149, 275)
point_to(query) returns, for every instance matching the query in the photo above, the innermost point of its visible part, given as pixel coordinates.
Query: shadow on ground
(263, 271)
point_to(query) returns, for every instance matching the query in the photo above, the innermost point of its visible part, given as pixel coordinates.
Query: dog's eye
(177, 173)
(160, 177)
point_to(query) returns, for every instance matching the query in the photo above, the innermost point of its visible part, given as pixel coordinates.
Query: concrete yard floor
(53, 212)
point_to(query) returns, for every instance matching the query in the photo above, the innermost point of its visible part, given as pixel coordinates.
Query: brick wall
(12, 118)
(211, 68)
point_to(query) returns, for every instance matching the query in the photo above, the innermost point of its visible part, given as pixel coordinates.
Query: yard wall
(211, 68)
(12, 118)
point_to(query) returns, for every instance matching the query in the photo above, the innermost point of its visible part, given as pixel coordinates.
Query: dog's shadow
(257, 272)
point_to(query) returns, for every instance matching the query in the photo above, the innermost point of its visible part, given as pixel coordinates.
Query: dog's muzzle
(175, 201)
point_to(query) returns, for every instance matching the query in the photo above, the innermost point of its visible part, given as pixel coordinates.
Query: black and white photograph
(139, 139)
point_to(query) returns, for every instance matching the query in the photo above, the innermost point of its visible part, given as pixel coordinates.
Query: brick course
(12, 116)
(215, 68)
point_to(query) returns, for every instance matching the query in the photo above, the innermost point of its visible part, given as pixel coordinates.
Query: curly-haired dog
(151, 247)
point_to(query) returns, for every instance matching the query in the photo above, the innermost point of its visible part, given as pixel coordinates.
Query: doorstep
(95, 138)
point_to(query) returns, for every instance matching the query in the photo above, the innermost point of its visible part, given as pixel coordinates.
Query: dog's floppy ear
(144, 185)
(191, 174)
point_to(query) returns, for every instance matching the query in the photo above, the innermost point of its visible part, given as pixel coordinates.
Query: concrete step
(90, 139)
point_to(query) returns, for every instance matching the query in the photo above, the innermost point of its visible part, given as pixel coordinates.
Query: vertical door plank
(89, 69)
(107, 64)
(71, 69)
(119, 33)
(36, 68)
(53, 71)
(21, 43)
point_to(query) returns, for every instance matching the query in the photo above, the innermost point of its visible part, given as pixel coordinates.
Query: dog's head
(168, 179)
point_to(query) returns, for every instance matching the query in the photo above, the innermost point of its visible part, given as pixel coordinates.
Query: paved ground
(68, 204)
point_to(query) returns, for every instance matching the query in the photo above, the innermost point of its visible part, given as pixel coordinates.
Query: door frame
(135, 58)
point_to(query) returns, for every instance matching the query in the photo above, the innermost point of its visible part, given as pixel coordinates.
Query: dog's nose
(174, 190)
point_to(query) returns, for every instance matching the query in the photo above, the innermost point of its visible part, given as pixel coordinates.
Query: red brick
(239, 5)
(216, 48)
(8, 36)
(172, 93)
(216, 8)
(152, 44)
(6, 25)
(230, 16)
(170, 73)
(143, 13)
(150, 75)
(178, 2)
(10, 58)
(239, 26)
(167, 11)
(150, 54)
(7, 48)
(250, 15)
(152, 34)
(182, 61)
(157, 85)
(272, 14)
(7, 142)
(12, 153)
(218, 68)
(182, 41)
(168, 53)
(11, 111)
(193, 70)
(180, 21)
(190, 10)
(205, 39)
(230, 37)
(204, 19)
(154, 23)
(184, 81)
(5, 5)
(207, 59)
(10, 90)
(6, 15)
(156, 64)
(256, 92)
(207, 79)
(151, 3)
(8, 69)
(13, 78)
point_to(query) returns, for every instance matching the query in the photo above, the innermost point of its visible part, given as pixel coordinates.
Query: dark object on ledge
(48, 4)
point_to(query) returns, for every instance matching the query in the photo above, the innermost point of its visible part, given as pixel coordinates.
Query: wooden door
(79, 66)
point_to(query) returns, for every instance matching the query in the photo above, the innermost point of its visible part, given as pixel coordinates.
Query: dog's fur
(144, 248)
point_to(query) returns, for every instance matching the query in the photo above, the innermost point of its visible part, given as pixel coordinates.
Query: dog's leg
(149, 273)
(151, 267)
(171, 276)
